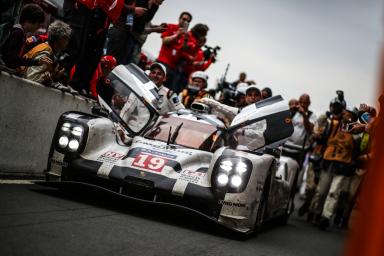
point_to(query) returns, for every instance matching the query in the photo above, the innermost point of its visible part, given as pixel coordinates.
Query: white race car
(233, 175)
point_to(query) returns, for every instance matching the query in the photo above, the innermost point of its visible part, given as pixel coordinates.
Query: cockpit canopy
(187, 132)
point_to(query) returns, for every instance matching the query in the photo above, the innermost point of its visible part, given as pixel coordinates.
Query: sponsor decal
(288, 120)
(110, 157)
(163, 147)
(60, 163)
(191, 176)
(234, 204)
(149, 162)
(158, 153)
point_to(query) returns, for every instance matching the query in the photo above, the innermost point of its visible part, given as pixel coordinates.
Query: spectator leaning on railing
(58, 38)
(31, 17)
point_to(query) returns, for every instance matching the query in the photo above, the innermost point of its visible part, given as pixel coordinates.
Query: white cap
(242, 87)
(200, 74)
(158, 65)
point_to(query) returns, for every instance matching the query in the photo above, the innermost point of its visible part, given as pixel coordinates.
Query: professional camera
(338, 104)
(211, 52)
(230, 96)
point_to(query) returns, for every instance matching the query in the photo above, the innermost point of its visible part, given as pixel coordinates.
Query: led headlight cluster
(70, 137)
(232, 174)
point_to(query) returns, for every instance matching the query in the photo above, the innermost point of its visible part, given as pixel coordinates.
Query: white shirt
(168, 101)
(299, 133)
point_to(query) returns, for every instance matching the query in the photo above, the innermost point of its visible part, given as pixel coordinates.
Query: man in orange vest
(338, 166)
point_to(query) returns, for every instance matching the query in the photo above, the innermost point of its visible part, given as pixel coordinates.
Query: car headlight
(63, 141)
(231, 174)
(70, 137)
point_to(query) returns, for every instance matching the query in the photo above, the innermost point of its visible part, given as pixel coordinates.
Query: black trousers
(86, 44)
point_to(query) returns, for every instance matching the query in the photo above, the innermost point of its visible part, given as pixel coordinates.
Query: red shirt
(201, 66)
(168, 52)
(112, 8)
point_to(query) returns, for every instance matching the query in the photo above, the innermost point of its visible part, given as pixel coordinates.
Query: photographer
(195, 90)
(303, 121)
(338, 164)
(170, 39)
(202, 60)
(187, 50)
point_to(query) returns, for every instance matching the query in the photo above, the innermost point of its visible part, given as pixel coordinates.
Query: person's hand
(140, 11)
(357, 128)
(302, 111)
(180, 32)
(45, 60)
(159, 29)
(60, 72)
(47, 76)
(364, 107)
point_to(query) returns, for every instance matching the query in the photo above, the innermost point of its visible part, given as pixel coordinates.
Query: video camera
(211, 52)
(230, 96)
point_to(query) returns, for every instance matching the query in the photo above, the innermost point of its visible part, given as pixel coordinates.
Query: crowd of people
(70, 53)
(77, 53)
(332, 151)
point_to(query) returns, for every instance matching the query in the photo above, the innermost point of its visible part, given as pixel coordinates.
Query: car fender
(239, 210)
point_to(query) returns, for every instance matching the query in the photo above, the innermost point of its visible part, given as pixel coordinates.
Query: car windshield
(127, 105)
(185, 132)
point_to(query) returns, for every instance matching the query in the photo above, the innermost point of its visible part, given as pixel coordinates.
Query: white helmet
(200, 74)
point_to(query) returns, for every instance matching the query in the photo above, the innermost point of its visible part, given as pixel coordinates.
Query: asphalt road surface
(38, 220)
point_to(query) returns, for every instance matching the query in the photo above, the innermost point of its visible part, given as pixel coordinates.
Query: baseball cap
(158, 65)
(242, 87)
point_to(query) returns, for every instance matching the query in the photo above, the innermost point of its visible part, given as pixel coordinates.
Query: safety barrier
(28, 117)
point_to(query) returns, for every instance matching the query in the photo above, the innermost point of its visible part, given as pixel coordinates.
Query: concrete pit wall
(28, 118)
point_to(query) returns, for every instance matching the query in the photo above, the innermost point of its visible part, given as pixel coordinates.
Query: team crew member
(168, 101)
(227, 113)
(196, 90)
(170, 39)
(89, 20)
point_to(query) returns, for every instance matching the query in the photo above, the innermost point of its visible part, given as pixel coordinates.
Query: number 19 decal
(149, 162)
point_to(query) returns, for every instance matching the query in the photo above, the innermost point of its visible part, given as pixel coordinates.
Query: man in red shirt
(200, 63)
(170, 40)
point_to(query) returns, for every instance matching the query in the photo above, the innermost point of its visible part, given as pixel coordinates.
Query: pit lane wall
(28, 118)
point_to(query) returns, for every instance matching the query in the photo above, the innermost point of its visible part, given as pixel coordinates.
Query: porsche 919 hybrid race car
(233, 175)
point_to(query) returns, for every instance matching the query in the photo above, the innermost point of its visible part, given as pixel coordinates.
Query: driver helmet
(108, 61)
